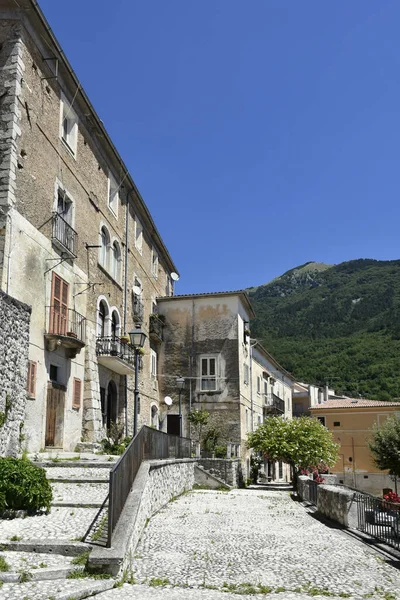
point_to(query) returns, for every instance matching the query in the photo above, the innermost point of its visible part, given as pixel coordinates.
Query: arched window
(115, 325)
(105, 243)
(116, 261)
(102, 319)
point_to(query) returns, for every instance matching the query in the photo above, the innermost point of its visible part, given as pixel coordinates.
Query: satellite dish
(168, 400)
(137, 290)
(174, 276)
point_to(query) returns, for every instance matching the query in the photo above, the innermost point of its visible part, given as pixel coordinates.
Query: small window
(154, 264)
(113, 196)
(208, 370)
(138, 235)
(77, 393)
(116, 261)
(246, 373)
(258, 384)
(53, 373)
(104, 247)
(64, 205)
(31, 382)
(68, 126)
(153, 363)
(322, 419)
(336, 423)
(265, 387)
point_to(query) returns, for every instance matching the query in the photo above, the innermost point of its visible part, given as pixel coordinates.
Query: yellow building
(351, 421)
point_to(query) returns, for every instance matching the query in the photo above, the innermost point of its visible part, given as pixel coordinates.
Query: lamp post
(180, 383)
(137, 339)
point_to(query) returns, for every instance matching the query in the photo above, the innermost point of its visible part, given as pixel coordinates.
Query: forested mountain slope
(338, 323)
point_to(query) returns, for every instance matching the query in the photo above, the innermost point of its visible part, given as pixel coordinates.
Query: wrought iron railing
(67, 322)
(156, 327)
(148, 444)
(273, 404)
(138, 310)
(114, 346)
(379, 519)
(64, 233)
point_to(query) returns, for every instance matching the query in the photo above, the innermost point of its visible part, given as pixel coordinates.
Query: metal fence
(379, 518)
(313, 491)
(148, 444)
(64, 233)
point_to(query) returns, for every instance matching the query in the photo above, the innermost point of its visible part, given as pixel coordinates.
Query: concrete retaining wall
(225, 469)
(334, 502)
(156, 483)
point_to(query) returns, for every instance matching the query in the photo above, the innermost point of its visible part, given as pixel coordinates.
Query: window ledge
(114, 214)
(209, 392)
(68, 148)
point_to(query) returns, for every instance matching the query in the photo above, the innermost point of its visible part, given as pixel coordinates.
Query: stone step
(85, 495)
(78, 474)
(59, 589)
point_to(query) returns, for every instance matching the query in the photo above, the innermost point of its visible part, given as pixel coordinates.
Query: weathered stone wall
(227, 470)
(156, 483)
(14, 343)
(334, 502)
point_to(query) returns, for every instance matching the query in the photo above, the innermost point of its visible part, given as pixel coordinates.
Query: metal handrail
(379, 518)
(148, 444)
(67, 322)
(64, 233)
(115, 346)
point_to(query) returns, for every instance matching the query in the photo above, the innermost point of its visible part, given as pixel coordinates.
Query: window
(31, 382)
(77, 393)
(138, 235)
(322, 419)
(265, 387)
(64, 205)
(116, 261)
(154, 264)
(153, 363)
(102, 319)
(258, 384)
(104, 246)
(115, 326)
(68, 126)
(246, 373)
(113, 196)
(53, 373)
(59, 306)
(208, 369)
(336, 423)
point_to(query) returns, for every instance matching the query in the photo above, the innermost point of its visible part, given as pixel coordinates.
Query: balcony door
(55, 416)
(59, 306)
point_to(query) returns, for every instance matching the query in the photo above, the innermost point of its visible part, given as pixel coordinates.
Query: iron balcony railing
(138, 310)
(114, 346)
(379, 519)
(156, 328)
(148, 444)
(273, 404)
(64, 234)
(67, 322)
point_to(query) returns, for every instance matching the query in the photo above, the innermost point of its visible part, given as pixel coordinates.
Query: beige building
(351, 420)
(77, 243)
(207, 342)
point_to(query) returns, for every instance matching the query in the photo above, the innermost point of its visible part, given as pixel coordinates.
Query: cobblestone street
(214, 545)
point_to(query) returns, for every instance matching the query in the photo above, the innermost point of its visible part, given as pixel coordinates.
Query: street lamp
(180, 384)
(137, 339)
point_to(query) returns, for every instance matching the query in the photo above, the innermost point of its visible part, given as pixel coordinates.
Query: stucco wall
(14, 340)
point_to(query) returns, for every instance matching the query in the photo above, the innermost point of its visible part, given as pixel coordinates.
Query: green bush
(23, 486)
(220, 451)
(110, 447)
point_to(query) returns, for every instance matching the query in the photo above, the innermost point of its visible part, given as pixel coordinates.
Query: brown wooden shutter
(77, 393)
(59, 306)
(31, 383)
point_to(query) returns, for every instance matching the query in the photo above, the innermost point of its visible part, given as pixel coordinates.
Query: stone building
(207, 342)
(77, 243)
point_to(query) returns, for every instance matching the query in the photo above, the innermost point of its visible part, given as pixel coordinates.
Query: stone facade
(14, 339)
(69, 204)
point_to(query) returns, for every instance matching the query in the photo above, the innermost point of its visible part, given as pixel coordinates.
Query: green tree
(198, 418)
(385, 446)
(303, 443)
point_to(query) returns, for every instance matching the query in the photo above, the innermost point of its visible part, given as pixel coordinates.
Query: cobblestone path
(260, 544)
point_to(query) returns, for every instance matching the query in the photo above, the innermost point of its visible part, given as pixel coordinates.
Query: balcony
(67, 328)
(63, 236)
(115, 354)
(138, 310)
(156, 327)
(273, 405)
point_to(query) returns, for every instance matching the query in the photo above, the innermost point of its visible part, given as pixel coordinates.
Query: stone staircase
(44, 556)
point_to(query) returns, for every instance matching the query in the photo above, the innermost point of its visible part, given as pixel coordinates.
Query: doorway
(173, 424)
(111, 405)
(54, 435)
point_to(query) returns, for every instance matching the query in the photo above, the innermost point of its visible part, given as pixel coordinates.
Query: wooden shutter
(59, 306)
(77, 393)
(31, 383)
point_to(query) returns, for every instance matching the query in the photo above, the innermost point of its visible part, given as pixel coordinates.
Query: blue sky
(261, 134)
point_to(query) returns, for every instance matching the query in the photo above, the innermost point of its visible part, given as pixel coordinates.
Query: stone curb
(77, 505)
(92, 590)
(74, 464)
(62, 480)
(40, 574)
(46, 547)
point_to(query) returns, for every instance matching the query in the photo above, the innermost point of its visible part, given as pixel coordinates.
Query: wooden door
(55, 417)
(59, 306)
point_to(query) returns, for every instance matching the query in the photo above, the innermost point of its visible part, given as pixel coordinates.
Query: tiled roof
(353, 403)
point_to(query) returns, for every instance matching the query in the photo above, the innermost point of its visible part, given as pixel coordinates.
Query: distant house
(351, 421)
(207, 342)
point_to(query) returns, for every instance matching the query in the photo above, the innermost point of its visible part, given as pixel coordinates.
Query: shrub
(220, 451)
(23, 486)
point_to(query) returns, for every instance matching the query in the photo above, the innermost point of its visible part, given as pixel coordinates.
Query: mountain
(335, 323)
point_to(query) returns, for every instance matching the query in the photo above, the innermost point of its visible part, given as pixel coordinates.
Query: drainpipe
(125, 297)
(252, 344)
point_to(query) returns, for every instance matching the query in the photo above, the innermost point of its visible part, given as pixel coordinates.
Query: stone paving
(79, 493)
(215, 545)
(78, 473)
(60, 589)
(22, 561)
